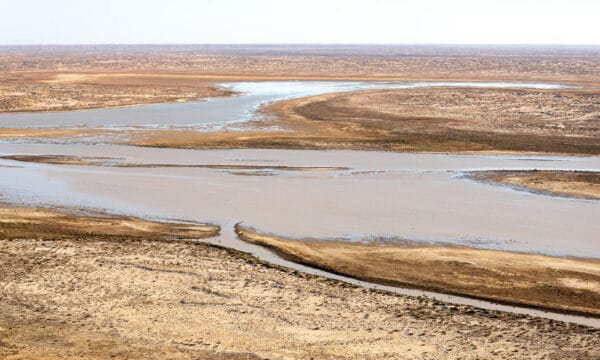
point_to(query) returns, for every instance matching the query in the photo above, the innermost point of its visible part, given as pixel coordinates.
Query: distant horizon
(309, 44)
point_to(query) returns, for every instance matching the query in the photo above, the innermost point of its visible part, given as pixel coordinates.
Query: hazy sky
(299, 21)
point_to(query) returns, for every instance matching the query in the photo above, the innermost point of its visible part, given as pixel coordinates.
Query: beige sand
(122, 296)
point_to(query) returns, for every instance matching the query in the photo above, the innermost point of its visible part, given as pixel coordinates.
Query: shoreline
(215, 80)
(346, 121)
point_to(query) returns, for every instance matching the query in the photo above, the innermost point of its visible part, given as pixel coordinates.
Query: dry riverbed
(126, 291)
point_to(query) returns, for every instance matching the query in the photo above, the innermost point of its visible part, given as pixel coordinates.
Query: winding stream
(422, 197)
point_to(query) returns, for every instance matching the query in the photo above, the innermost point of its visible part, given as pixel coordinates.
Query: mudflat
(120, 295)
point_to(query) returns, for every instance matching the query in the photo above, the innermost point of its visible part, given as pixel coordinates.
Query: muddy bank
(40, 223)
(552, 283)
(123, 296)
(576, 184)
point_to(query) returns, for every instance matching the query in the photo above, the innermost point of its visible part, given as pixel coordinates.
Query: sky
(299, 21)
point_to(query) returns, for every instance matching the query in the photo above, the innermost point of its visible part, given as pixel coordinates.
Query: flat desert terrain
(72, 287)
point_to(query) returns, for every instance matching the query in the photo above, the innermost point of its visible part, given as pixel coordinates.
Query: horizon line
(301, 44)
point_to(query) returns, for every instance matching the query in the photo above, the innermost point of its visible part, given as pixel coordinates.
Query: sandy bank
(558, 284)
(40, 223)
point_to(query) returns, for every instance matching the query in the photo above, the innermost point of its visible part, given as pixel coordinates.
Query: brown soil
(128, 296)
(559, 284)
(501, 111)
(20, 223)
(578, 184)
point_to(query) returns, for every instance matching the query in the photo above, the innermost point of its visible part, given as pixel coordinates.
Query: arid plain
(80, 283)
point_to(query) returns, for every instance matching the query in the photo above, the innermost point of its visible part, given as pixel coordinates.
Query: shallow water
(409, 196)
(219, 113)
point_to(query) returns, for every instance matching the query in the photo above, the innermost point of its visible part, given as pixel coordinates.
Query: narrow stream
(230, 239)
